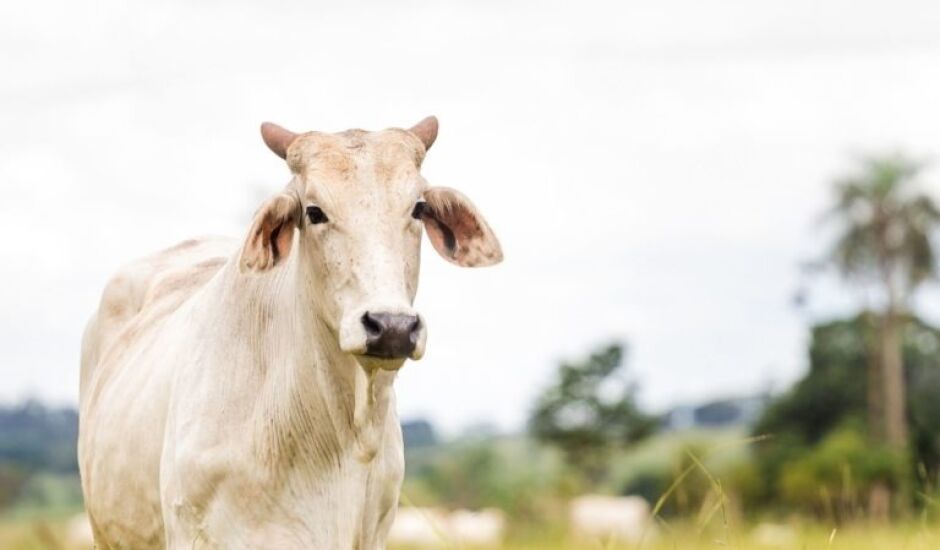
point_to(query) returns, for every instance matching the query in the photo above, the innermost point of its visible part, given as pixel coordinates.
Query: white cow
(240, 395)
(485, 527)
(420, 526)
(435, 527)
(624, 519)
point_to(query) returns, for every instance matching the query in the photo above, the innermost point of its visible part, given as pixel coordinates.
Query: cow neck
(314, 399)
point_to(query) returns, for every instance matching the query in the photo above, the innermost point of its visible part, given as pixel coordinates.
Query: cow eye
(419, 209)
(316, 215)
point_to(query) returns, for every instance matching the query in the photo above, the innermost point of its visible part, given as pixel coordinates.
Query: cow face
(358, 205)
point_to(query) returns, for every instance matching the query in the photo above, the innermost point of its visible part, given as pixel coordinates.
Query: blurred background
(717, 323)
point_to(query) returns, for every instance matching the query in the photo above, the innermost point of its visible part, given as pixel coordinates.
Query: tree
(831, 398)
(884, 247)
(590, 410)
(37, 438)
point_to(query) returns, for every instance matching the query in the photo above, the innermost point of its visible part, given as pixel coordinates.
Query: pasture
(25, 534)
(717, 324)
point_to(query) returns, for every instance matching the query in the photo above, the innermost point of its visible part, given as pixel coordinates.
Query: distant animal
(774, 535)
(239, 394)
(435, 527)
(485, 527)
(624, 519)
(420, 526)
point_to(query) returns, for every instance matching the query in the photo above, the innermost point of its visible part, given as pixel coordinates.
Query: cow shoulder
(153, 287)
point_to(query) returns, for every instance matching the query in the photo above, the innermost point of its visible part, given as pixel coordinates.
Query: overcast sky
(654, 170)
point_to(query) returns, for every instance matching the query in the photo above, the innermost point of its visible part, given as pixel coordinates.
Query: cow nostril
(372, 325)
(414, 330)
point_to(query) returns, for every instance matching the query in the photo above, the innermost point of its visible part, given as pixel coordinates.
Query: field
(43, 535)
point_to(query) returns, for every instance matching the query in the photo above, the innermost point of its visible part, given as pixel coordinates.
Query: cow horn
(276, 138)
(426, 130)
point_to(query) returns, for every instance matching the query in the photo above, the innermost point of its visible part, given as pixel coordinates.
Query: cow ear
(457, 230)
(272, 233)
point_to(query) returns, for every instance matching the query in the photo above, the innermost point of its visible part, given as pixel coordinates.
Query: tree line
(859, 434)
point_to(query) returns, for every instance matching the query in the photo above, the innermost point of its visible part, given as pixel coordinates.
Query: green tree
(835, 476)
(831, 398)
(589, 410)
(884, 246)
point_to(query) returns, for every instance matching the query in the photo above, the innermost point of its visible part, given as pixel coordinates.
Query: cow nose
(391, 335)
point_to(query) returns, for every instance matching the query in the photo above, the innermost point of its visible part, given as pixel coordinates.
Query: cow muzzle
(391, 335)
(384, 336)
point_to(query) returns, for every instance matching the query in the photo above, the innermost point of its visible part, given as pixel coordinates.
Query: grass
(714, 526)
(808, 537)
(23, 534)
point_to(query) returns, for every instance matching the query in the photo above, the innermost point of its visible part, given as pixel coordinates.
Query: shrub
(836, 477)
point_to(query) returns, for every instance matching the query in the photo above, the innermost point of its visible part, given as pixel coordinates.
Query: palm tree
(884, 246)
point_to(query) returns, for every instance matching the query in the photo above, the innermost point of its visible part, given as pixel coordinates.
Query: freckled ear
(458, 231)
(271, 235)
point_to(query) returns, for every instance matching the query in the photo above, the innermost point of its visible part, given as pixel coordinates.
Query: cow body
(191, 439)
(239, 395)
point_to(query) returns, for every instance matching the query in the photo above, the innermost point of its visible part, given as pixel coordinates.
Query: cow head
(353, 215)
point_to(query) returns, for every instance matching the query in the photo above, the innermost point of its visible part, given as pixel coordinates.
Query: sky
(656, 171)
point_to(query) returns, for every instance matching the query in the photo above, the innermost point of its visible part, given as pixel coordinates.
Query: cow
(239, 394)
(608, 518)
(420, 527)
(438, 528)
(485, 527)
